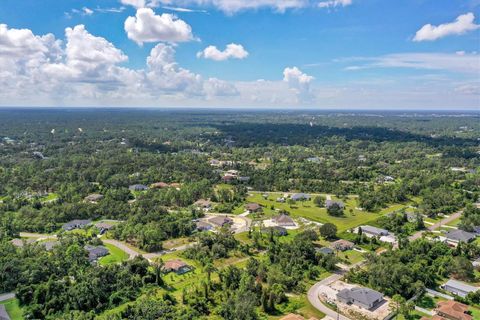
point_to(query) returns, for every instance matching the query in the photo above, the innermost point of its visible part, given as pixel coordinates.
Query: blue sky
(313, 53)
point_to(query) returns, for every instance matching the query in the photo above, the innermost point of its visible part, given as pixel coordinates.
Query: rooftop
(363, 295)
(453, 309)
(174, 265)
(374, 230)
(460, 235)
(461, 285)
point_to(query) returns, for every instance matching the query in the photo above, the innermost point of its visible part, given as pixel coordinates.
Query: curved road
(314, 293)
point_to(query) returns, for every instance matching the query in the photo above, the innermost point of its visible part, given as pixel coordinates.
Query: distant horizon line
(246, 108)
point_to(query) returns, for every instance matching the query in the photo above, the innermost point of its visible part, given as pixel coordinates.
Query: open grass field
(116, 255)
(13, 309)
(307, 209)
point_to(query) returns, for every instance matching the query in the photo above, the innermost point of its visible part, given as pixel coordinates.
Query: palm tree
(209, 268)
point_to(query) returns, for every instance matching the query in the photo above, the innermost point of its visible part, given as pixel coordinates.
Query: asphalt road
(437, 225)
(314, 293)
(7, 296)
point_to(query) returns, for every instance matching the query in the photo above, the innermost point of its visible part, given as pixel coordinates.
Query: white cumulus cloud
(232, 51)
(463, 24)
(298, 82)
(334, 3)
(146, 26)
(134, 3)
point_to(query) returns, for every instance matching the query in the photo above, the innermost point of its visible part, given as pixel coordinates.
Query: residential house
(220, 221)
(228, 178)
(76, 224)
(362, 297)
(476, 263)
(104, 227)
(95, 253)
(281, 200)
(159, 185)
(138, 187)
(253, 207)
(452, 310)
(233, 173)
(38, 155)
(3, 313)
(458, 288)
(49, 245)
(374, 231)
(203, 226)
(300, 197)
(329, 203)
(342, 245)
(93, 198)
(283, 220)
(314, 159)
(203, 204)
(177, 266)
(19, 243)
(455, 236)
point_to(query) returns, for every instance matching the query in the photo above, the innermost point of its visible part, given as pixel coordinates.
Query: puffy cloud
(234, 51)
(219, 88)
(134, 3)
(298, 82)
(463, 24)
(146, 26)
(165, 75)
(334, 3)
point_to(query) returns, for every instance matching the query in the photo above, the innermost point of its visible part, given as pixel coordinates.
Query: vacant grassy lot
(13, 309)
(116, 255)
(307, 209)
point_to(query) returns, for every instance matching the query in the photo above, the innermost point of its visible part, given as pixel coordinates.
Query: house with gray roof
(456, 236)
(283, 220)
(220, 221)
(329, 203)
(458, 288)
(95, 253)
(76, 224)
(49, 245)
(374, 231)
(300, 196)
(3, 313)
(138, 187)
(362, 297)
(93, 198)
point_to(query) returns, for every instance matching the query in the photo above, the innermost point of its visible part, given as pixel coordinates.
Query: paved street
(131, 253)
(314, 292)
(7, 296)
(437, 225)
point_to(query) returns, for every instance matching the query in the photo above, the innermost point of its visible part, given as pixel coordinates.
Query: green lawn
(13, 309)
(50, 197)
(307, 209)
(475, 312)
(454, 222)
(116, 255)
(351, 256)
